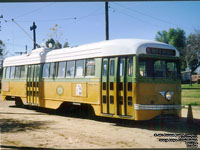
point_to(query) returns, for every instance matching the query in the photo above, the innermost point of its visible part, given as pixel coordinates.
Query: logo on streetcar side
(60, 90)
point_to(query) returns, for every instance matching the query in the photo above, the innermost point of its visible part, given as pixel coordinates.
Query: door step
(125, 116)
(107, 114)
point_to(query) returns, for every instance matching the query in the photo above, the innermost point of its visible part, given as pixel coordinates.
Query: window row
(15, 72)
(121, 67)
(78, 68)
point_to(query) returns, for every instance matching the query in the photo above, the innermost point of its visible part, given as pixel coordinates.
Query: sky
(84, 22)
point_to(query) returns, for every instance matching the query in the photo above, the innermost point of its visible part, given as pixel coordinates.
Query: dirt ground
(28, 128)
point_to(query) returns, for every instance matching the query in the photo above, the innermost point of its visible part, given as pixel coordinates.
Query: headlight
(169, 95)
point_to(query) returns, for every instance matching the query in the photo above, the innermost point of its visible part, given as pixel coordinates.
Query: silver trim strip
(156, 107)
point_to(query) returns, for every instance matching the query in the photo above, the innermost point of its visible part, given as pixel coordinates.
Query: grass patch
(191, 94)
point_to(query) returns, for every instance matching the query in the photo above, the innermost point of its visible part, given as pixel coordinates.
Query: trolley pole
(107, 20)
(0, 21)
(26, 49)
(34, 35)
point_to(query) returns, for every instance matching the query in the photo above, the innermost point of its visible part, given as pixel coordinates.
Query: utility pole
(34, 35)
(107, 20)
(26, 49)
(0, 21)
(20, 53)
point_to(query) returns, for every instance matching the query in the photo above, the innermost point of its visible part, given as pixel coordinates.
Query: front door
(125, 86)
(33, 84)
(117, 82)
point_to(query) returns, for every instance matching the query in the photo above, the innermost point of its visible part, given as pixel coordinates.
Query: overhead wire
(91, 14)
(133, 17)
(18, 45)
(24, 31)
(46, 20)
(150, 16)
(34, 10)
(27, 13)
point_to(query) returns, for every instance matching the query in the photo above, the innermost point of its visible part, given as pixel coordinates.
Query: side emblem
(60, 90)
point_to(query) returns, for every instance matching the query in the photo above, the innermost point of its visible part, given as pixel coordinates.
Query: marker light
(169, 95)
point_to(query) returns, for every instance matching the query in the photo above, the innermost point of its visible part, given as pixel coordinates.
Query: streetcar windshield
(158, 68)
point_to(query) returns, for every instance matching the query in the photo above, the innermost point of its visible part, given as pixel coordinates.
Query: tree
(55, 33)
(2, 48)
(192, 51)
(66, 44)
(162, 36)
(3, 53)
(55, 44)
(175, 37)
(58, 45)
(54, 37)
(51, 40)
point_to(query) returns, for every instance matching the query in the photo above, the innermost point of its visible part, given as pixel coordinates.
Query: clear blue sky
(127, 20)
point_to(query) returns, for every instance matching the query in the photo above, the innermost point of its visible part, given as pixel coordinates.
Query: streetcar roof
(116, 47)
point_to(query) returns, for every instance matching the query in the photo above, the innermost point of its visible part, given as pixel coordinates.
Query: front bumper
(156, 107)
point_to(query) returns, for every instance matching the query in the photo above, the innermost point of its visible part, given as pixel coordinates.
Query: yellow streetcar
(124, 78)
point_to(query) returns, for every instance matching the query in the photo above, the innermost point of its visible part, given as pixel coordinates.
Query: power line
(147, 15)
(32, 11)
(133, 17)
(91, 14)
(18, 45)
(27, 13)
(24, 31)
(50, 20)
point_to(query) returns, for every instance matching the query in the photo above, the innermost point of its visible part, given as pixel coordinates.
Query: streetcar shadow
(173, 125)
(27, 148)
(165, 124)
(14, 125)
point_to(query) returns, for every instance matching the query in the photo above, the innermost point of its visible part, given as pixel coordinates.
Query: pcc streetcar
(124, 78)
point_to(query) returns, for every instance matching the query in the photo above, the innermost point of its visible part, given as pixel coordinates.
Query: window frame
(150, 65)
(83, 71)
(13, 72)
(23, 66)
(47, 69)
(69, 69)
(58, 66)
(6, 73)
(86, 67)
(17, 72)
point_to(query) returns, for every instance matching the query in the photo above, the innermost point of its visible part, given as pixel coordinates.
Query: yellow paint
(14, 89)
(150, 114)
(91, 93)
(148, 93)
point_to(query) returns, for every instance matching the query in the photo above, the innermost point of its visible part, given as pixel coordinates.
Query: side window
(17, 72)
(142, 68)
(121, 67)
(7, 75)
(52, 70)
(90, 67)
(112, 67)
(22, 72)
(12, 72)
(45, 70)
(105, 64)
(79, 68)
(61, 69)
(36, 71)
(130, 66)
(70, 69)
(30, 71)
